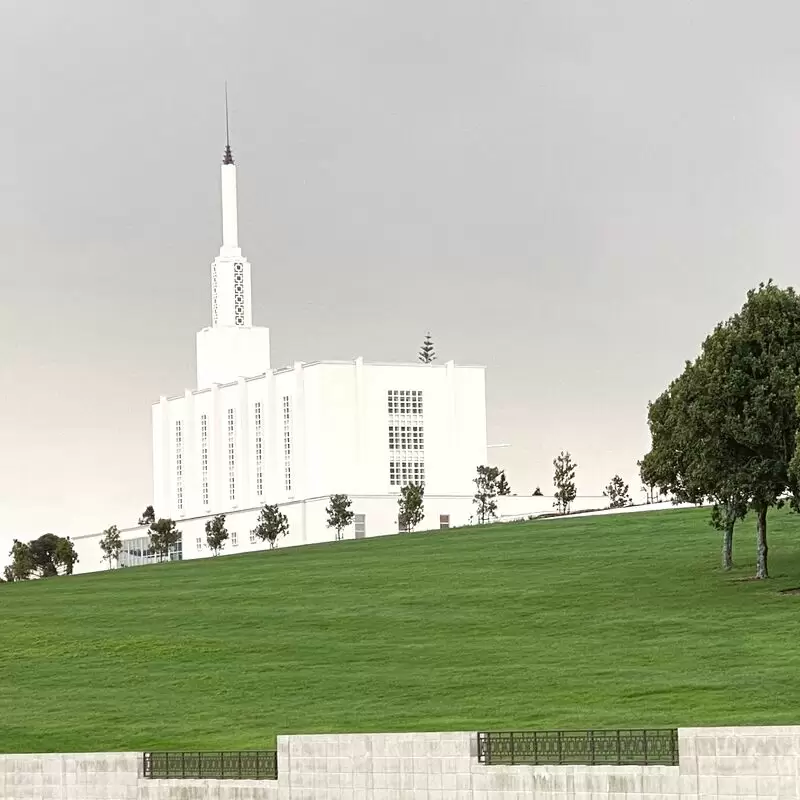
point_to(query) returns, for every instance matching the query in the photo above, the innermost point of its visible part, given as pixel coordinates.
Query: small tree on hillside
(272, 525)
(564, 482)
(486, 493)
(216, 534)
(617, 493)
(427, 353)
(503, 487)
(411, 506)
(111, 545)
(148, 516)
(66, 555)
(22, 564)
(339, 514)
(164, 535)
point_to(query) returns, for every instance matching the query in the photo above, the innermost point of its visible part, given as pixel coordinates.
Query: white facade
(249, 435)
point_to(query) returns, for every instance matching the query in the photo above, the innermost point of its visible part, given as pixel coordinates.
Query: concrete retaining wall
(715, 764)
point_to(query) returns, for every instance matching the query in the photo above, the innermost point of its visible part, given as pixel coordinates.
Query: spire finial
(227, 157)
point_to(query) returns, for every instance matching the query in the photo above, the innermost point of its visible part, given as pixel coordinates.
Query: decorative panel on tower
(214, 302)
(238, 293)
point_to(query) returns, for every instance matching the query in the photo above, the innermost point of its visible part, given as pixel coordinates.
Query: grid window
(287, 443)
(231, 453)
(136, 552)
(259, 443)
(444, 522)
(199, 544)
(204, 457)
(234, 539)
(252, 537)
(179, 464)
(406, 437)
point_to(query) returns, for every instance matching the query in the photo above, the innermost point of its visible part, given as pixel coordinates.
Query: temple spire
(227, 157)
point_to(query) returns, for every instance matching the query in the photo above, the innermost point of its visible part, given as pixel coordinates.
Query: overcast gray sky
(571, 193)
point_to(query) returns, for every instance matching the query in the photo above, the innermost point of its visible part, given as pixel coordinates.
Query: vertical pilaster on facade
(165, 501)
(360, 422)
(273, 436)
(452, 427)
(189, 456)
(216, 451)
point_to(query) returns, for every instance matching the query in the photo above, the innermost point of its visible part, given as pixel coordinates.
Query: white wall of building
(335, 415)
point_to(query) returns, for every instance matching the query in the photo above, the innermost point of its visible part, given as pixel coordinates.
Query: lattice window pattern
(214, 302)
(232, 453)
(204, 457)
(238, 293)
(287, 443)
(406, 437)
(259, 446)
(179, 464)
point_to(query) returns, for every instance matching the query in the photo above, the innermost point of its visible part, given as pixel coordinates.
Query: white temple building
(250, 435)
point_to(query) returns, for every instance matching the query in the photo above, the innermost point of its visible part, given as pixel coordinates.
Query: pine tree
(427, 353)
(503, 487)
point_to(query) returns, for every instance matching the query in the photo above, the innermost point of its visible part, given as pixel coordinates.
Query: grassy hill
(609, 621)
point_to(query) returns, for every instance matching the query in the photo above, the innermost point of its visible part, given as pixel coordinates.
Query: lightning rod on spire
(227, 157)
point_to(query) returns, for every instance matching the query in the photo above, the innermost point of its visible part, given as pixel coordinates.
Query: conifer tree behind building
(427, 353)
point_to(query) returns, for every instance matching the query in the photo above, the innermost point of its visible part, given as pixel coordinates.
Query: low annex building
(249, 434)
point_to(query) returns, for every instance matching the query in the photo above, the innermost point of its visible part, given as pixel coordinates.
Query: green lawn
(610, 621)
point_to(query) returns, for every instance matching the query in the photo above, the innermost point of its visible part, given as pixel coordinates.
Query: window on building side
(444, 521)
(136, 552)
(406, 437)
(258, 427)
(179, 464)
(252, 538)
(287, 443)
(232, 453)
(360, 525)
(204, 457)
(234, 539)
(199, 543)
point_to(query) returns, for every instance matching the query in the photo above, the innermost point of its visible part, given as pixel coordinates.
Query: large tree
(730, 421)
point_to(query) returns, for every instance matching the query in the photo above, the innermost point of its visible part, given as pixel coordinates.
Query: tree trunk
(761, 533)
(727, 545)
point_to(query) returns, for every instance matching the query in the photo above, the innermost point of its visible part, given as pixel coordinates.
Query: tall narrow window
(287, 443)
(259, 432)
(406, 437)
(204, 457)
(179, 464)
(232, 453)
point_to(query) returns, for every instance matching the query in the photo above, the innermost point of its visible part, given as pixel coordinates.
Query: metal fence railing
(622, 747)
(242, 764)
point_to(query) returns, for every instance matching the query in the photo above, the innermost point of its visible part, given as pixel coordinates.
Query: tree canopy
(726, 429)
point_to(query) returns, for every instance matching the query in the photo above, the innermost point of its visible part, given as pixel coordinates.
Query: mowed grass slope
(616, 621)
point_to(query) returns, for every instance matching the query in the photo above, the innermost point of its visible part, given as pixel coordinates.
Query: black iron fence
(629, 747)
(242, 764)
